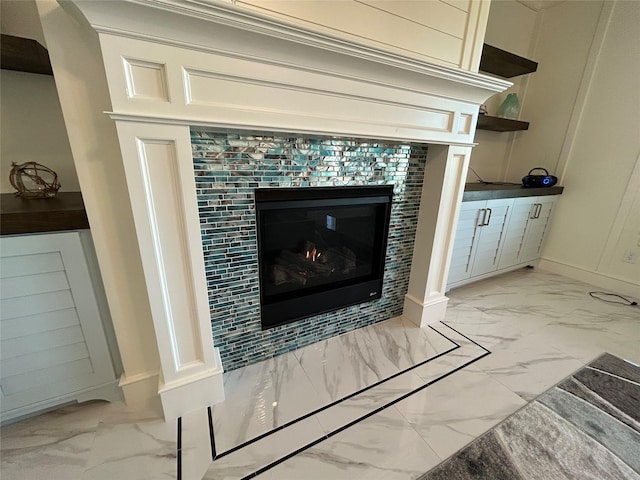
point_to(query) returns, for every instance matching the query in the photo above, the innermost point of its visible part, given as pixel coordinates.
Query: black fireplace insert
(320, 249)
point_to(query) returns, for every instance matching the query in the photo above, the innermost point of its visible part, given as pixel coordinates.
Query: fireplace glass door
(320, 249)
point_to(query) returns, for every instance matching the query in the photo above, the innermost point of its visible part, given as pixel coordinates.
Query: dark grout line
(179, 450)
(211, 436)
(463, 335)
(364, 417)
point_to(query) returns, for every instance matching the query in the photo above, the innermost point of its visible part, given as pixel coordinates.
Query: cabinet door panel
(515, 235)
(489, 241)
(536, 229)
(466, 229)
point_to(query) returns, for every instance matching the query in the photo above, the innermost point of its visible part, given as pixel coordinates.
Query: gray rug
(586, 427)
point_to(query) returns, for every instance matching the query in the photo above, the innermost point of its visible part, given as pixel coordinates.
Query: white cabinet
(479, 236)
(52, 342)
(526, 230)
(495, 236)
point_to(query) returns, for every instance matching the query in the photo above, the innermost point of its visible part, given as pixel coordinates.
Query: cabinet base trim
(110, 392)
(466, 281)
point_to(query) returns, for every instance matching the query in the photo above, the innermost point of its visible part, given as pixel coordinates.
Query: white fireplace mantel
(174, 63)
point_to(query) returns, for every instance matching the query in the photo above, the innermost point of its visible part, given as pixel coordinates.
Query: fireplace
(158, 68)
(231, 166)
(320, 249)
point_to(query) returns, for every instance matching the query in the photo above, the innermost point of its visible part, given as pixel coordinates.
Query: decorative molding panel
(466, 124)
(145, 80)
(240, 92)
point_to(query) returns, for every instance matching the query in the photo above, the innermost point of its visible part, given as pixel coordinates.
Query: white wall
(598, 218)
(20, 19)
(511, 27)
(565, 34)
(33, 129)
(583, 105)
(81, 84)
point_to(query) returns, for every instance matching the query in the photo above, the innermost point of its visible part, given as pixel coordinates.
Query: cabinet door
(52, 339)
(469, 220)
(489, 241)
(536, 228)
(521, 215)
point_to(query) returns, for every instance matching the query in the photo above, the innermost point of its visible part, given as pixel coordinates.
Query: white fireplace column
(158, 165)
(443, 186)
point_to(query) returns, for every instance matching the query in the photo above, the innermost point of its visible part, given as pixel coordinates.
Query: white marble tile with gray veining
(342, 365)
(539, 327)
(405, 344)
(383, 446)
(54, 445)
(528, 366)
(261, 397)
(262, 453)
(133, 444)
(452, 412)
(196, 444)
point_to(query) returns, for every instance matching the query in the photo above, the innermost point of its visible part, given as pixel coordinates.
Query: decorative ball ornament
(32, 180)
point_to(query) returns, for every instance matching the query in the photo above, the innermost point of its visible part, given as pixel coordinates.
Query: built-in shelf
(505, 64)
(24, 55)
(65, 211)
(499, 124)
(492, 191)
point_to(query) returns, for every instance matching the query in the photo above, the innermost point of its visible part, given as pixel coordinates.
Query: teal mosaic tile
(228, 166)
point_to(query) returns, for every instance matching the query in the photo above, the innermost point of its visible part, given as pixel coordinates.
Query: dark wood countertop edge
(492, 192)
(22, 216)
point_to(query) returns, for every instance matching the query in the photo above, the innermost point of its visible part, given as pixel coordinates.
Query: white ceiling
(540, 4)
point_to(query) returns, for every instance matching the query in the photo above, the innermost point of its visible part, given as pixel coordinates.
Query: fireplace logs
(311, 262)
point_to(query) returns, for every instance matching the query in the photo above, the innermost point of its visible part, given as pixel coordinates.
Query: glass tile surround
(229, 166)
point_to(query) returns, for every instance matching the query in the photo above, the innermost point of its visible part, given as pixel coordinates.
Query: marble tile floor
(390, 401)
(585, 427)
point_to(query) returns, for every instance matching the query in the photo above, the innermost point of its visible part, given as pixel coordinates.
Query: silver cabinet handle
(484, 214)
(488, 218)
(535, 211)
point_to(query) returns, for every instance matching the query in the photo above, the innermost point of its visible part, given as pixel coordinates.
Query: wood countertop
(484, 191)
(65, 211)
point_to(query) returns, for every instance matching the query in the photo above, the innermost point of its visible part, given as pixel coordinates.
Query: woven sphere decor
(32, 180)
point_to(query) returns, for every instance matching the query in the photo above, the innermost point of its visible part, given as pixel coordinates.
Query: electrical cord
(480, 180)
(627, 302)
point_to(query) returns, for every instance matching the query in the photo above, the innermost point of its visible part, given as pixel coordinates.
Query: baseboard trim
(109, 391)
(141, 390)
(494, 273)
(423, 314)
(614, 285)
